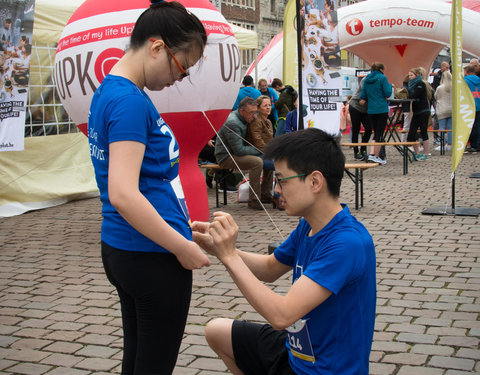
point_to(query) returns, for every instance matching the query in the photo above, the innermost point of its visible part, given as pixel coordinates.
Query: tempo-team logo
(354, 27)
(105, 62)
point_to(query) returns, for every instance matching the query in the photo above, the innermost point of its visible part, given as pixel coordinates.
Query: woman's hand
(192, 257)
(202, 237)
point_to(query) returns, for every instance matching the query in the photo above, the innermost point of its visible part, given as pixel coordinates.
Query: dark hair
(378, 66)
(331, 4)
(247, 80)
(28, 49)
(310, 150)
(247, 101)
(277, 82)
(170, 21)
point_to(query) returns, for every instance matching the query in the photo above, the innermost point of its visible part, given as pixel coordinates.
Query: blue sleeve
(125, 117)
(363, 93)
(288, 122)
(285, 253)
(273, 94)
(387, 88)
(338, 264)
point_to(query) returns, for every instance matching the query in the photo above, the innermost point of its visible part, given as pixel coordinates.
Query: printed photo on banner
(321, 64)
(16, 25)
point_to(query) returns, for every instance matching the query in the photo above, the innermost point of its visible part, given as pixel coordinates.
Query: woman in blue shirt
(147, 247)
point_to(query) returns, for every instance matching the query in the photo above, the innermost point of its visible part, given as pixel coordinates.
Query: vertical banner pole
(300, 21)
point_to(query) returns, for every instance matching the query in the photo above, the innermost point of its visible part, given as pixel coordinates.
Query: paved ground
(59, 315)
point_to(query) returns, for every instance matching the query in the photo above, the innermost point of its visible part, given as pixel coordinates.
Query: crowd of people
(424, 105)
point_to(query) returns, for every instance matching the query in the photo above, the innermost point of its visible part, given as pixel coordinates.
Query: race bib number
(177, 188)
(299, 341)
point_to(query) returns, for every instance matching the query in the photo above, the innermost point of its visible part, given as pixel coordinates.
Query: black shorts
(259, 349)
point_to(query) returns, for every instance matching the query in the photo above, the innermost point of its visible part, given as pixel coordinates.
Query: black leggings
(378, 122)
(418, 121)
(155, 292)
(359, 118)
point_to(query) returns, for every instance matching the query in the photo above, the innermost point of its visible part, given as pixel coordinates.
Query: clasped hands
(217, 238)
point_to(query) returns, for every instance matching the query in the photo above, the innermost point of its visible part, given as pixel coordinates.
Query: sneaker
(358, 156)
(438, 148)
(230, 189)
(422, 157)
(448, 147)
(473, 150)
(381, 161)
(372, 158)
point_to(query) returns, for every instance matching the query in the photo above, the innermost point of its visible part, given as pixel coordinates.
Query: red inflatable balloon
(95, 39)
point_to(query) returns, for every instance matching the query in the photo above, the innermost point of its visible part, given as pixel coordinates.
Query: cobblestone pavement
(59, 315)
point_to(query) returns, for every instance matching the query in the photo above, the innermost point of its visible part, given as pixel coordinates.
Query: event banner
(321, 63)
(290, 55)
(463, 114)
(16, 18)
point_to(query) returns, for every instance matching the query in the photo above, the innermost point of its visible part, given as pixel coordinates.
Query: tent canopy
(246, 39)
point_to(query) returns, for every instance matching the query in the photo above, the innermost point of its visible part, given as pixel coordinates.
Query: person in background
(248, 90)
(443, 110)
(324, 323)
(284, 104)
(259, 134)
(291, 122)
(473, 82)
(476, 65)
(444, 66)
(345, 119)
(232, 151)
(272, 94)
(422, 93)
(146, 239)
(375, 91)
(359, 117)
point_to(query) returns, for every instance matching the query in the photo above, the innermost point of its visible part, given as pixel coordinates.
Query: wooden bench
(357, 179)
(442, 132)
(401, 146)
(222, 183)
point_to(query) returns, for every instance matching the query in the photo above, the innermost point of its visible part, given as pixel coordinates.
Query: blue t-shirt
(336, 337)
(121, 111)
(473, 83)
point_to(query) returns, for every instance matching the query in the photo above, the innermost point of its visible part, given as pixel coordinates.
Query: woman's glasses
(183, 73)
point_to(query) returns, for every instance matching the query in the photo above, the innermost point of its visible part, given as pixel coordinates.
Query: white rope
(241, 172)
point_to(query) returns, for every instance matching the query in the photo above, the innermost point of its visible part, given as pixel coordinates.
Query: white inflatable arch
(404, 33)
(400, 33)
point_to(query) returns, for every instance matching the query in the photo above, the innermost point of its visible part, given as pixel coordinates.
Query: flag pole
(299, 24)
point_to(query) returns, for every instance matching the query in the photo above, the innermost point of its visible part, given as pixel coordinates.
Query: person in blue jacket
(375, 91)
(146, 240)
(473, 82)
(248, 89)
(324, 323)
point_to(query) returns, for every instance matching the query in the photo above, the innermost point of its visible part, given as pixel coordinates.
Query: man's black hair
(310, 150)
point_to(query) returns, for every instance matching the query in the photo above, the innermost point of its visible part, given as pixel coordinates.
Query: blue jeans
(446, 124)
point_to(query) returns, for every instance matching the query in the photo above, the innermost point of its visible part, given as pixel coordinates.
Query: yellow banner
(463, 105)
(290, 59)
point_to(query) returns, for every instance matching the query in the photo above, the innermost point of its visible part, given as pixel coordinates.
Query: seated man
(233, 152)
(324, 324)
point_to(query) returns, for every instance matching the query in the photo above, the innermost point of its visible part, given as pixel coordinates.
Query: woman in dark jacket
(418, 90)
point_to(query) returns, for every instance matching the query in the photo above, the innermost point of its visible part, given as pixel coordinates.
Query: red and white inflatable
(95, 38)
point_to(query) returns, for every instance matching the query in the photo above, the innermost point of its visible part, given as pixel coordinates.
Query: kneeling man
(324, 324)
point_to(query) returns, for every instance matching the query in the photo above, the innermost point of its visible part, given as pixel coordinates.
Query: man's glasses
(183, 73)
(278, 181)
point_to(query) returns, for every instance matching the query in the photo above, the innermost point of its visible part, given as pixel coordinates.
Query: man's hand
(224, 232)
(202, 237)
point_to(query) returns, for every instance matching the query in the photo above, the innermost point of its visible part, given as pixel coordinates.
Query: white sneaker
(437, 148)
(381, 161)
(372, 158)
(448, 147)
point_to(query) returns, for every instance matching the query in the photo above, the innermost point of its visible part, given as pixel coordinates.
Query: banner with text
(321, 79)
(16, 18)
(463, 114)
